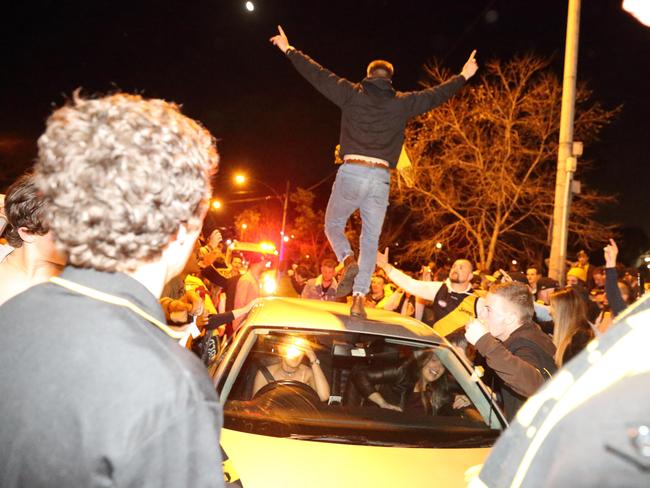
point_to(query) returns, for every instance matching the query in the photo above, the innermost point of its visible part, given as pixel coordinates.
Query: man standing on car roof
(373, 119)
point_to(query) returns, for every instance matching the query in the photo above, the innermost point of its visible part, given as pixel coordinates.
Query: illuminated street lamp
(216, 204)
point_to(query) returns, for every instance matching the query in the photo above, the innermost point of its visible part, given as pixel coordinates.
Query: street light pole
(566, 162)
(241, 179)
(284, 221)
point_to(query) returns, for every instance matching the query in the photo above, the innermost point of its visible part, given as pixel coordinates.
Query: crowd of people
(207, 300)
(548, 323)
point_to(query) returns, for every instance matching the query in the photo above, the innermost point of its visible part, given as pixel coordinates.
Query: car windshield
(378, 391)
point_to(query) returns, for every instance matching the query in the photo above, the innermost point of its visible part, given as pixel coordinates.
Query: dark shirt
(578, 342)
(374, 114)
(614, 297)
(95, 395)
(218, 319)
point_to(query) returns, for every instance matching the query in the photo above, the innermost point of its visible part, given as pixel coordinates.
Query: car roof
(322, 315)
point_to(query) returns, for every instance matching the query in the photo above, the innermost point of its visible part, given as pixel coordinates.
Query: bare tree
(484, 166)
(307, 226)
(248, 225)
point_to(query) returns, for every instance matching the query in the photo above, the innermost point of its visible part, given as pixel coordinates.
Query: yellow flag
(405, 167)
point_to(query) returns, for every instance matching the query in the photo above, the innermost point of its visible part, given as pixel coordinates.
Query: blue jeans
(366, 189)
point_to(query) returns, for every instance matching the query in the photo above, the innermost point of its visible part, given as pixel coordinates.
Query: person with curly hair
(98, 390)
(29, 257)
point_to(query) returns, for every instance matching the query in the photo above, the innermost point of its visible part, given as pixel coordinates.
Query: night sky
(214, 58)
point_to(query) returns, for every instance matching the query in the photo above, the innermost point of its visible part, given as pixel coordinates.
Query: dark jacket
(578, 342)
(374, 114)
(396, 384)
(613, 293)
(521, 364)
(400, 379)
(95, 395)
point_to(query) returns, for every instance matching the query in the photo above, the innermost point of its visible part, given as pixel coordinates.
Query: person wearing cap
(576, 276)
(373, 119)
(546, 286)
(583, 264)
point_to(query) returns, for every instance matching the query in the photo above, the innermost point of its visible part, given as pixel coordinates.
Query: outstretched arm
(470, 67)
(424, 100)
(335, 88)
(280, 40)
(612, 292)
(421, 289)
(365, 380)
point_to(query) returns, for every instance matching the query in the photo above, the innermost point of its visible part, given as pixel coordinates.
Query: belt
(369, 164)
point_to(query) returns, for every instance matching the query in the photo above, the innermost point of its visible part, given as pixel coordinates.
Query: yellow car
(301, 386)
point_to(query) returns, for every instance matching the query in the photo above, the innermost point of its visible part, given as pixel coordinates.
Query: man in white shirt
(454, 300)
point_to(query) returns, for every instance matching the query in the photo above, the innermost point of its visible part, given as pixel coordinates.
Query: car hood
(261, 461)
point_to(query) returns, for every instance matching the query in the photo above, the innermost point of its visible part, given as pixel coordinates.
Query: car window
(381, 390)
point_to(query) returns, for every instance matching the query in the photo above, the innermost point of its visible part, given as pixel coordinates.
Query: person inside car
(419, 385)
(291, 368)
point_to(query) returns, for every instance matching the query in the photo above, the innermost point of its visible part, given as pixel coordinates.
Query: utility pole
(566, 162)
(284, 221)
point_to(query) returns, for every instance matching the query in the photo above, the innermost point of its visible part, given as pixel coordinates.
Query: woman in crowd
(572, 331)
(419, 385)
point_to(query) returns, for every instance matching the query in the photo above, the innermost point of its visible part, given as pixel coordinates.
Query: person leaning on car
(515, 349)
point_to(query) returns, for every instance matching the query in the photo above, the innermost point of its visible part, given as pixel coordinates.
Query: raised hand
(309, 352)
(280, 40)
(611, 252)
(382, 259)
(474, 330)
(470, 67)
(215, 238)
